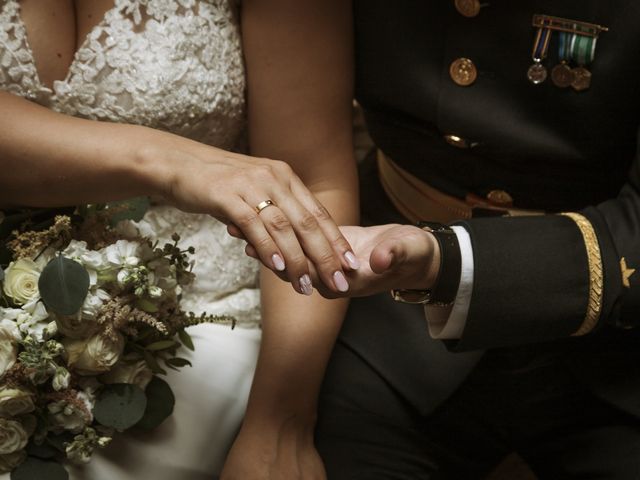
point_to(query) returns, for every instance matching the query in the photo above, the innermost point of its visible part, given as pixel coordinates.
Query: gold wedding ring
(264, 204)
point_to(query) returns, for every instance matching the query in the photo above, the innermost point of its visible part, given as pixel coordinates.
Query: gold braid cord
(594, 259)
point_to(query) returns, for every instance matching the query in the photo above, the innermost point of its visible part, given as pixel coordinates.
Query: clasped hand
(390, 256)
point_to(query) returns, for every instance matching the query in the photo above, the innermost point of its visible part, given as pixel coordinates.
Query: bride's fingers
(328, 226)
(314, 242)
(246, 220)
(281, 231)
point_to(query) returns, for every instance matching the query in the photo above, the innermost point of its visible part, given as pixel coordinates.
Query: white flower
(155, 292)
(10, 461)
(13, 436)
(61, 379)
(136, 373)
(15, 401)
(121, 253)
(9, 335)
(93, 261)
(21, 281)
(95, 355)
(33, 319)
(72, 415)
(93, 302)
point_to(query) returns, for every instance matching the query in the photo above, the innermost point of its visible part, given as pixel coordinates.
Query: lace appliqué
(174, 65)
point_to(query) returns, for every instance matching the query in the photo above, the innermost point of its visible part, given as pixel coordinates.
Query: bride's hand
(274, 451)
(291, 235)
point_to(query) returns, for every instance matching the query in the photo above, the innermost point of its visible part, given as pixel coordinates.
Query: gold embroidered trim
(596, 276)
(626, 272)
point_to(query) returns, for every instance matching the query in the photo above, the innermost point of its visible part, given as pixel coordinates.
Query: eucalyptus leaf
(36, 469)
(43, 451)
(186, 340)
(132, 209)
(160, 403)
(120, 405)
(64, 285)
(162, 345)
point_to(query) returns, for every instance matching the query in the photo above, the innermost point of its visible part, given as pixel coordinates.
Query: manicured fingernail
(305, 284)
(352, 260)
(278, 262)
(340, 281)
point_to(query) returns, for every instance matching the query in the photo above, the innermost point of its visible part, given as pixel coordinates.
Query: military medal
(576, 45)
(468, 8)
(562, 75)
(537, 72)
(581, 79)
(582, 50)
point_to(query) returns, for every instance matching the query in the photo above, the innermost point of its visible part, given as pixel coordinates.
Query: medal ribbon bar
(566, 25)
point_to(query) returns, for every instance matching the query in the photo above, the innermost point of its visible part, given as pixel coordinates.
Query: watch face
(432, 226)
(411, 296)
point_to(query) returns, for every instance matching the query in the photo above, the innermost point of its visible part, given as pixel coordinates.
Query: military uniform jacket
(540, 278)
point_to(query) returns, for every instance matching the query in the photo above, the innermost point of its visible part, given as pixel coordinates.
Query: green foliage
(153, 364)
(160, 403)
(186, 340)
(120, 405)
(132, 209)
(40, 358)
(162, 345)
(36, 469)
(44, 451)
(63, 285)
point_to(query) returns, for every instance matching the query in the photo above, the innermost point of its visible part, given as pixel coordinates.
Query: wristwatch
(444, 291)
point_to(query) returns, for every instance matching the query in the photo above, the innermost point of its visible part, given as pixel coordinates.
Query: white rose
(13, 436)
(15, 401)
(10, 461)
(21, 281)
(9, 336)
(95, 355)
(136, 373)
(72, 415)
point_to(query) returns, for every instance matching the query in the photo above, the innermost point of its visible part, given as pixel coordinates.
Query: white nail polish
(352, 260)
(305, 285)
(278, 262)
(340, 281)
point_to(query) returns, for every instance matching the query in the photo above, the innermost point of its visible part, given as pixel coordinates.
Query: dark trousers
(521, 399)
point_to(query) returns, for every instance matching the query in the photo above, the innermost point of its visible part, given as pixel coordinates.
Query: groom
(505, 121)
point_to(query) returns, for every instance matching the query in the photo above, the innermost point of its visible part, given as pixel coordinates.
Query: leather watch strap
(446, 286)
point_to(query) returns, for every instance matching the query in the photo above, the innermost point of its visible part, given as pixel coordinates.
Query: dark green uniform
(397, 404)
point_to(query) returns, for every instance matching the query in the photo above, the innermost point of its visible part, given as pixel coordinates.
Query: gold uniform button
(500, 197)
(463, 72)
(468, 8)
(457, 141)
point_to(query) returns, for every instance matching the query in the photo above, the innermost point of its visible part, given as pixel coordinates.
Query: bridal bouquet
(89, 321)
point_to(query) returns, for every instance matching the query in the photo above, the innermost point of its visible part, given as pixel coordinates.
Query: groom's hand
(391, 256)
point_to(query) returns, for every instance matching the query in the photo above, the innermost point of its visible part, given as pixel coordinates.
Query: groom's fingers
(385, 255)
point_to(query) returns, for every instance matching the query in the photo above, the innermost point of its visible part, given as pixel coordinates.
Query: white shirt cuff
(447, 323)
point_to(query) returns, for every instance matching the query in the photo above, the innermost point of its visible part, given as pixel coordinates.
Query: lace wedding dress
(174, 65)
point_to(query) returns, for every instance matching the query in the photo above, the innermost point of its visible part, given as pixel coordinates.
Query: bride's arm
(49, 159)
(299, 66)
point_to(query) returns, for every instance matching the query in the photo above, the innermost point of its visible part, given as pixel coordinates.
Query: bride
(109, 99)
